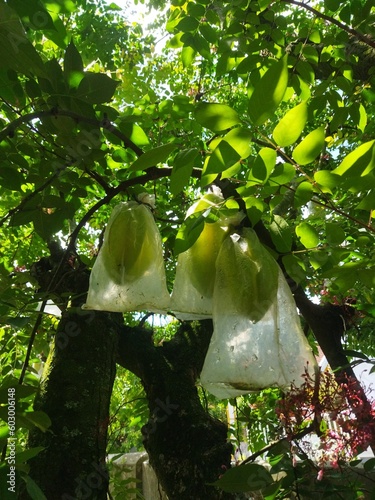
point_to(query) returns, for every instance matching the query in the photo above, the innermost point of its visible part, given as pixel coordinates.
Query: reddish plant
(336, 413)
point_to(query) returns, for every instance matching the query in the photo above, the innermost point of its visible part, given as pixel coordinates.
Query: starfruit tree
(270, 104)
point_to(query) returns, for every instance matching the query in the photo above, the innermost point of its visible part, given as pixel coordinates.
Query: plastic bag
(257, 341)
(195, 275)
(129, 274)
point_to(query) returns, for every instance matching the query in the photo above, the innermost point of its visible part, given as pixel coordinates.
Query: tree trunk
(75, 393)
(187, 447)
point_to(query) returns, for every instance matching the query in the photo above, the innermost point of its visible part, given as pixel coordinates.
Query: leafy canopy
(273, 101)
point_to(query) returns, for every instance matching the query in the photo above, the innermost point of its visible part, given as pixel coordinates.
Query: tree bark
(187, 447)
(75, 393)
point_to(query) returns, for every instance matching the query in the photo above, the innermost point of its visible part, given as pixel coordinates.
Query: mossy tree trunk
(187, 447)
(75, 393)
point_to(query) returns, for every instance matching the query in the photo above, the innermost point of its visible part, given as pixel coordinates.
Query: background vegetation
(271, 101)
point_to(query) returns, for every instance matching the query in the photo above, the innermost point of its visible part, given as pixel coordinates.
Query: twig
(55, 112)
(30, 196)
(299, 435)
(31, 341)
(360, 36)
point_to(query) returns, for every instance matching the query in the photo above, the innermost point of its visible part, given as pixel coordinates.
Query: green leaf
(338, 119)
(10, 88)
(119, 155)
(31, 419)
(327, 180)
(222, 158)
(73, 66)
(239, 139)
(283, 173)
(303, 194)
(96, 88)
(135, 133)
(189, 232)
(359, 162)
(248, 477)
(188, 23)
(318, 258)
(182, 168)
(368, 202)
(24, 456)
(263, 165)
(254, 209)
(11, 178)
(35, 12)
(362, 122)
(332, 5)
(356, 354)
(294, 267)
(334, 233)
(216, 117)
(187, 56)
(290, 127)
(208, 32)
(369, 464)
(49, 222)
(152, 157)
(307, 234)
(269, 92)
(281, 234)
(17, 322)
(323, 426)
(310, 147)
(33, 489)
(16, 51)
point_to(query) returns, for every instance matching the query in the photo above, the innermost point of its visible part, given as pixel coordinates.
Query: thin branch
(55, 112)
(94, 175)
(29, 117)
(360, 36)
(153, 173)
(31, 341)
(269, 447)
(30, 196)
(329, 205)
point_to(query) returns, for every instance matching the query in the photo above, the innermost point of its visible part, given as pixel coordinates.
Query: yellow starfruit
(129, 273)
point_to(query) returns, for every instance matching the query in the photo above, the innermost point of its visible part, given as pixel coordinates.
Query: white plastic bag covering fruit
(257, 341)
(195, 275)
(129, 274)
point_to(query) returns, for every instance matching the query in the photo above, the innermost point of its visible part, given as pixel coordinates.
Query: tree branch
(55, 112)
(153, 173)
(360, 36)
(308, 430)
(30, 196)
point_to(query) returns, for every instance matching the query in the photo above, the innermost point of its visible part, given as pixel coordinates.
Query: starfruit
(257, 340)
(129, 273)
(244, 264)
(195, 276)
(128, 244)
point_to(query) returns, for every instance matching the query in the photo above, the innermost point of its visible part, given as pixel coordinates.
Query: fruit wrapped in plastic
(129, 273)
(195, 276)
(257, 341)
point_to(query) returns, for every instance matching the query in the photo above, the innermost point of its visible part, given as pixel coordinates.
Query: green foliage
(274, 100)
(290, 127)
(268, 92)
(129, 412)
(216, 117)
(249, 477)
(310, 147)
